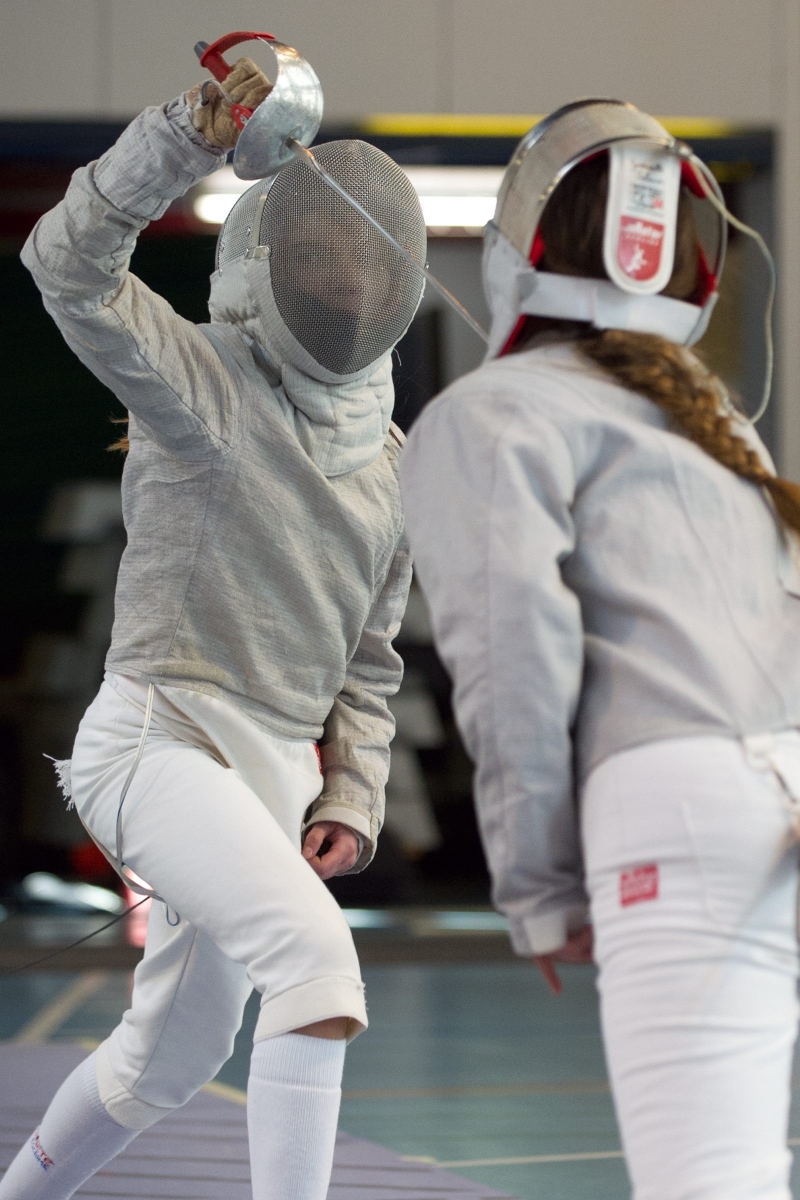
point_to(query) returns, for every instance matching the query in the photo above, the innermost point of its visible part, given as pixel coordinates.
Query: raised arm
(163, 368)
(359, 728)
(487, 487)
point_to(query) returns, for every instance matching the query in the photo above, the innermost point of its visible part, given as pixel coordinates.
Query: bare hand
(577, 949)
(330, 848)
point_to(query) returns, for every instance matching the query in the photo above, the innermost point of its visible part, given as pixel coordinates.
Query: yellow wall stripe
(514, 125)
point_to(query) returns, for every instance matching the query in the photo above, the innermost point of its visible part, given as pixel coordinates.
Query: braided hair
(665, 373)
(678, 383)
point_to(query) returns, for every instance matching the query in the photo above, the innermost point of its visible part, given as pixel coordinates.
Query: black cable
(63, 949)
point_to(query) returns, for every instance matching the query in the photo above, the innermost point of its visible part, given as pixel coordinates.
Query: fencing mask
(342, 290)
(647, 167)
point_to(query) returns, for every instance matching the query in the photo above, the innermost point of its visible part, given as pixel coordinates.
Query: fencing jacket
(266, 561)
(596, 582)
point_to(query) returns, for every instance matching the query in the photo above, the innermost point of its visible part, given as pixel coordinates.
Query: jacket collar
(341, 420)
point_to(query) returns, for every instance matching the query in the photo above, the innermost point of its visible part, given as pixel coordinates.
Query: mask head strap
(641, 218)
(640, 225)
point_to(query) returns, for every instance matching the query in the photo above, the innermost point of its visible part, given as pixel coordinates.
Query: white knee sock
(293, 1097)
(75, 1138)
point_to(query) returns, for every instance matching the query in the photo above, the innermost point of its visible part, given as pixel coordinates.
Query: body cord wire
(700, 173)
(63, 949)
(119, 864)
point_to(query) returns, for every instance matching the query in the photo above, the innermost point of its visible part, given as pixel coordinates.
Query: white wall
(735, 59)
(678, 57)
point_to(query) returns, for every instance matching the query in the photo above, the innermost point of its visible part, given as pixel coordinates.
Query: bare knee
(334, 1029)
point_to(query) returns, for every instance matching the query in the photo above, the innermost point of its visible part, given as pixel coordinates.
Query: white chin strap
(514, 287)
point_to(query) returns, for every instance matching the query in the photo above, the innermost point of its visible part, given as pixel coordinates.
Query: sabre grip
(211, 55)
(213, 60)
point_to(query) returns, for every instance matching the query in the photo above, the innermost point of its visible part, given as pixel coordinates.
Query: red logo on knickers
(639, 884)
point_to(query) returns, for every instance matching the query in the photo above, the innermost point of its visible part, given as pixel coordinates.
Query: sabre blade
(302, 152)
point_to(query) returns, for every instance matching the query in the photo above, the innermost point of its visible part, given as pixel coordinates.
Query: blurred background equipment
(42, 888)
(453, 1068)
(446, 105)
(61, 529)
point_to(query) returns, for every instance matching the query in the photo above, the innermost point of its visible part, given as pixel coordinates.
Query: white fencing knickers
(217, 834)
(691, 855)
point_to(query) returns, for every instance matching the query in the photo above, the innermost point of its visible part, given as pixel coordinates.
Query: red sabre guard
(211, 58)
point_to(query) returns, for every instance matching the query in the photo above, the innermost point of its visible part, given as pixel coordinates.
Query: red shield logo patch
(639, 248)
(638, 885)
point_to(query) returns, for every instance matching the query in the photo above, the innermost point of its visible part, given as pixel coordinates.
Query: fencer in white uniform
(611, 568)
(264, 579)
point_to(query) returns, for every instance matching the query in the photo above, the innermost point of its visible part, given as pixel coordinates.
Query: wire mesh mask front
(342, 290)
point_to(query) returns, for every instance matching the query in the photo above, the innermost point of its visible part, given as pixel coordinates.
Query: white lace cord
(119, 865)
(763, 751)
(793, 807)
(700, 172)
(760, 749)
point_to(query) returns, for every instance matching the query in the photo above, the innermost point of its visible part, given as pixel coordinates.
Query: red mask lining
(707, 280)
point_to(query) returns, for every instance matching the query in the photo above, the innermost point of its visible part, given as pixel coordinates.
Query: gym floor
(474, 1067)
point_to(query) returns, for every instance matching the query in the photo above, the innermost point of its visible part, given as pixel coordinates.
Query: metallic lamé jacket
(266, 560)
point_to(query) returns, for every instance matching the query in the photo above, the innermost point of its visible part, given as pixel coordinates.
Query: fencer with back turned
(263, 581)
(611, 564)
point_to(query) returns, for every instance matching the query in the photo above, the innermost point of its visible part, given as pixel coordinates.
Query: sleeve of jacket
(359, 728)
(158, 364)
(487, 487)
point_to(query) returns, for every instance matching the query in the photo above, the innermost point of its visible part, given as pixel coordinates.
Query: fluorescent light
(368, 918)
(452, 198)
(456, 198)
(455, 181)
(217, 195)
(471, 922)
(214, 207)
(459, 212)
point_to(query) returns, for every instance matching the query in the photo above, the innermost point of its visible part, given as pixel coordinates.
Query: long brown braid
(667, 374)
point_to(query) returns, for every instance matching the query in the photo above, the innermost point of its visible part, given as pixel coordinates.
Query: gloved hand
(246, 85)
